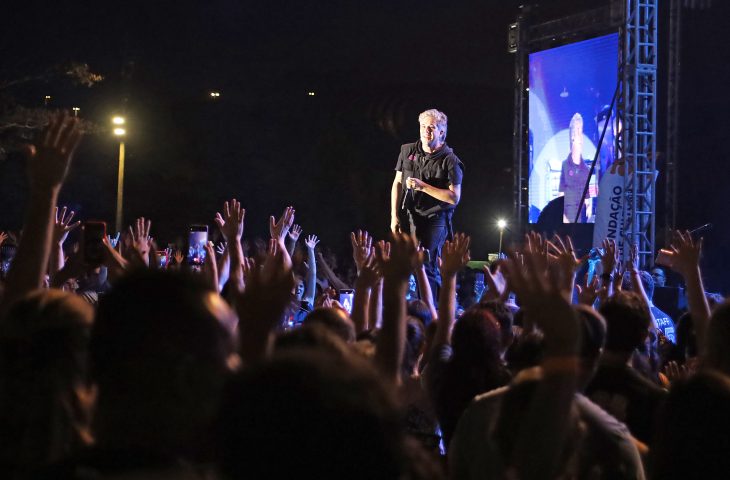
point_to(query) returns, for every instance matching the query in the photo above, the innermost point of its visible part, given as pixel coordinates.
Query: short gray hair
(440, 117)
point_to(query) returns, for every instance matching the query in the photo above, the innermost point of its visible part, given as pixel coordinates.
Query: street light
(120, 133)
(501, 224)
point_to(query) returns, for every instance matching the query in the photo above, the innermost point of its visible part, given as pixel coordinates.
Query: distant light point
(118, 120)
(215, 94)
(119, 132)
(311, 94)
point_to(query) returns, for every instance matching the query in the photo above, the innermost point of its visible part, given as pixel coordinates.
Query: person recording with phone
(426, 190)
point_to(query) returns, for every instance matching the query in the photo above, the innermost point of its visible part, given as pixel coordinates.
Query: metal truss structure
(636, 114)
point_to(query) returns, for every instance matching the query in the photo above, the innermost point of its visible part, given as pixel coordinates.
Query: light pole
(119, 131)
(501, 224)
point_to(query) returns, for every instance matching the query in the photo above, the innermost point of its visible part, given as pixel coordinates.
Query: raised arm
(609, 262)
(564, 259)
(224, 264)
(546, 422)
(48, 163)
(454, 257)
(396, 267)
(262, 305)
(291, 239)
(310, 289)
(230, 224)
(364, 258)
(141, 239)
(685, 257)
(330, 275)
(424, 288)
(61, 227)
(279, 229)
(632, 265)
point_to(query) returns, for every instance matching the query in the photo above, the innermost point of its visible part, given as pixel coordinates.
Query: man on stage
(426, 190)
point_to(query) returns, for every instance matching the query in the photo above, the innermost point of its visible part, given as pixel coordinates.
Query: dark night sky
(373, 65)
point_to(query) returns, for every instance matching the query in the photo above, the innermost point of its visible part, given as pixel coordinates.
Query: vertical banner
(611, 211)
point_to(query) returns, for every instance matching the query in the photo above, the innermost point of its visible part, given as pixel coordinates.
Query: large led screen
(571, 88)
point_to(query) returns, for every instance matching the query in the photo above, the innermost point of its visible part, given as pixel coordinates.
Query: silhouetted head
(505, 319)
(335, 319)
(45, 391)
(162, 347)
(311, 415)
(420, 310)
(627, 321)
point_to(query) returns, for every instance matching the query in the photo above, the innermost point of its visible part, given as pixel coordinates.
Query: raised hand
(497, 284)
(311, 241)
(279, 228)
(564, 259)
(362, 247)
(178, 256)
(3, 237)
(50, 157)
(539, 292)
(295, 232)
(400, 259)
(535, 244)
(563, 253)
(141, 240)
(632, 264)
(221, 248)
(248, 265)
(369, 273)
(261, 306)
(382, 250)
(685, 253)
(62, 225)
(113, 260)
(609, 257)
(210, 267)
(230, 222)
(454, 255)
(589, 291)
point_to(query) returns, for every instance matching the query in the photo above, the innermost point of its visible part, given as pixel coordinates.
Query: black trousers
(431, 234)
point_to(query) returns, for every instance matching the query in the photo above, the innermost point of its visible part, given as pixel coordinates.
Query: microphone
(703, 228)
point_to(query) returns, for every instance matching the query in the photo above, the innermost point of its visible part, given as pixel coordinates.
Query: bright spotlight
(119, 132)
(118, 121)
(501, 224)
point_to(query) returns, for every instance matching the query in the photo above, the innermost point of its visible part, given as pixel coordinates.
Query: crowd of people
(113, 365)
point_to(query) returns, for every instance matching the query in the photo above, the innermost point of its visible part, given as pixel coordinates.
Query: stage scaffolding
(636, 22)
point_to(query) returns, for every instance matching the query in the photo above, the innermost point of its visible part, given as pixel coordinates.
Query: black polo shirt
(439, 169)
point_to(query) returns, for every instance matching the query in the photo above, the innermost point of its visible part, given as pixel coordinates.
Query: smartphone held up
(197, 240)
